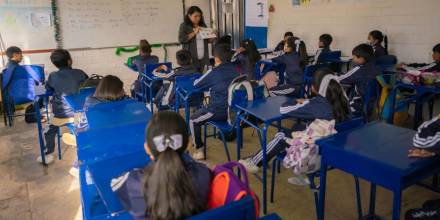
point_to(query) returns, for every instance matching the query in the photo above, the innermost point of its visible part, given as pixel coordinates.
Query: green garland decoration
(56, 22)
(121, 50)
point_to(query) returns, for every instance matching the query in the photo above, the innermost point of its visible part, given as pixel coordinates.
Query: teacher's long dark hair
(169, 191)
(191, 11)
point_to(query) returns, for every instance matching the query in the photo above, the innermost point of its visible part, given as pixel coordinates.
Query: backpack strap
(244, 177)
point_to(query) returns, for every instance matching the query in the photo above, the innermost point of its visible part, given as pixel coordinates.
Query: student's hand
(240, 50)
(422, 153)
(400, 66)
(161, 68)
(300, 101)
(196, 29)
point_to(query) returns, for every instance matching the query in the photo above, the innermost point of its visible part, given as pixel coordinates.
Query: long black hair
(302, 50)
(335, 95)
(251, 52)
(192, 10)
(380, 37)
(168, 189)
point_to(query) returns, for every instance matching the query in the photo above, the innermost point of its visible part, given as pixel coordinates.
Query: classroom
(219, 109)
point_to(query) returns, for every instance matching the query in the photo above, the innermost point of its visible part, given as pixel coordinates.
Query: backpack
(241, 91)
(22, 83)
(92, 81)
(227, 187)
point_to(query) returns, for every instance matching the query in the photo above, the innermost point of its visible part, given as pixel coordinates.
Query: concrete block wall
(412, 26)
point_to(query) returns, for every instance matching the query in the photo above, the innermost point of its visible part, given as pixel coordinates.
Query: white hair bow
(162, 142)
(297, 43)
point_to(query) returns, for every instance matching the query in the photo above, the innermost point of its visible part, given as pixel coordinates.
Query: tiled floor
(31, 191)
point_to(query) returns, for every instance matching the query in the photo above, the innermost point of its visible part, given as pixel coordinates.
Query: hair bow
(163, 142)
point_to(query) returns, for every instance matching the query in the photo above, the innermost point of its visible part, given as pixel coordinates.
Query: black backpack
(92, 81)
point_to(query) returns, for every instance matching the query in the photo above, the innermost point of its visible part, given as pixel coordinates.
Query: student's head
(436, 53)
(144, 48)
(110, 88)
(194, 17)
(287, 35)
(250, 49)
(222, 54)
(61, 58)
(325, 84)
(296, 45)
(362, 53)
(227, 39)
(183, 57)
(375, 37)
(325, 40)
(169, 191)
(14, 54)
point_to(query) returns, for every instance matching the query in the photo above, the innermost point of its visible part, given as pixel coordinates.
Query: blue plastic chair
(330, 57)
(308, 78)
(264, 66)
(276, 164)
(149, 81)
(185, 91)
(387, 63)
(371, 100)
(21, 89)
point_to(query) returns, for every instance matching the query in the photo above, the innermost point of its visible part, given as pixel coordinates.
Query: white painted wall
(413, 27)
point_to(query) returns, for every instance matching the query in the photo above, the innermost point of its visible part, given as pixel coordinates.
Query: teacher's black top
(191, 45)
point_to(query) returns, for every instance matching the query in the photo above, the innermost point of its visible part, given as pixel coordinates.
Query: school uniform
(359, 78)
(141, 61)
(431, 67)
(245, 65)
(130, 187)
(428, 136)
(217, 81)
(65, 81)
(294, 76)
(379, 50)
(315, 108)
(319, 55)
(280, 46)
(166, 95)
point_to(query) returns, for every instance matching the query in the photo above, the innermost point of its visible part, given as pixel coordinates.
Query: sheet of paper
(257, 13)
(40, 20)
(207, 33)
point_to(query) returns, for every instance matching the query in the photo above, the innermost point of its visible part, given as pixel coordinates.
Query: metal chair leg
(358, 197)
(59, 143)
(272, 184)
(204, 140)
(225, 145)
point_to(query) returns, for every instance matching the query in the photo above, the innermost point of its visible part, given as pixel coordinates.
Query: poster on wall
(257, 13)
(297, 3)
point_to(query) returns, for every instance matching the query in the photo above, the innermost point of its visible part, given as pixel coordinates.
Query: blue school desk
(149, 80)
(185, 90)
(268, 111)
(422, 94)
(117, 128)
(76, 101)
(378, 153)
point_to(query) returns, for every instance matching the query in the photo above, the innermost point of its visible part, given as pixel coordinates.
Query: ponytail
(337, 98)
(385, 42)
(168, 190)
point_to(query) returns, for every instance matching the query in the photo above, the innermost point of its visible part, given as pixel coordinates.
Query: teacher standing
(190, 38)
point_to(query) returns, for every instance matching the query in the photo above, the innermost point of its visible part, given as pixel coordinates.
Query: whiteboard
(111, 23)
(27, 24)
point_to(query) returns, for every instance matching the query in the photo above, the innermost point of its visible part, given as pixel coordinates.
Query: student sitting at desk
(145, 56)
(217, 81)
(360, 76)
(166, 92)
(246, 56)
(294, 59)
(280, 45)
(325, 41)
(426, 144)
(329, 106)
(173, 186)
(423, 67)
(65, 81)
(375, 39)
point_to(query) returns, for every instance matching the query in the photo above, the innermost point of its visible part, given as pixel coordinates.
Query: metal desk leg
(397, 199)
(150, 91)
(187, 108)
(372, 209)
(239, 137)
(40, 132)
(322, 182)
(264, 145)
